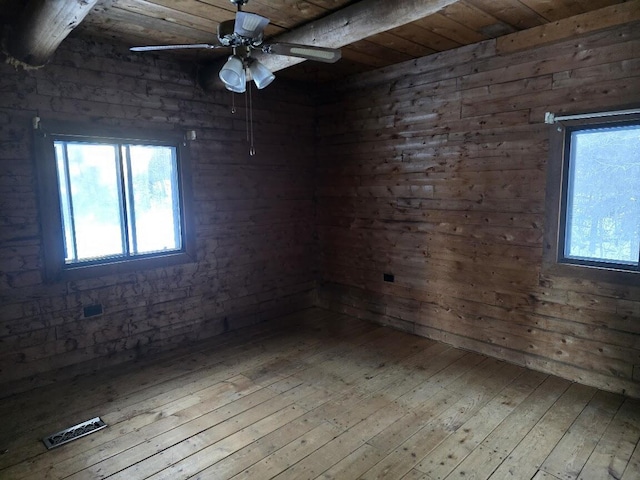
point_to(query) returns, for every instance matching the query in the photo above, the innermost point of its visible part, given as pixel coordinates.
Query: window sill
(82, 272)
(591, 273)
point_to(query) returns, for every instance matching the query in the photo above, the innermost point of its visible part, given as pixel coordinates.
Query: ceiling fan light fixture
(237, 89)
(233, 74)
(261, 75)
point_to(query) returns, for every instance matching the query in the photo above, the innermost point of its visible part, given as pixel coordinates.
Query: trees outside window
(602, 196)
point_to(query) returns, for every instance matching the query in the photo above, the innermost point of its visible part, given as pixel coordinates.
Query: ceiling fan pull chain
(252, 150)
(233, 103)
(246, 112)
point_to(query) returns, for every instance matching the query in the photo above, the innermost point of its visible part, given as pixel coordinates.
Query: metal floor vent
(73, 433)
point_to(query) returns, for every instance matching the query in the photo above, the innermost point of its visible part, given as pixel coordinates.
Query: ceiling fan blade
(319, 54)
(151, 48)
(250, 25)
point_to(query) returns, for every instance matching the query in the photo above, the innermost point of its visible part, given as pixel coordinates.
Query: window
(112, 203)
(593, 189)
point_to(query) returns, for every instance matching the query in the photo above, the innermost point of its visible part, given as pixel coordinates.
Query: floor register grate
(73, 433)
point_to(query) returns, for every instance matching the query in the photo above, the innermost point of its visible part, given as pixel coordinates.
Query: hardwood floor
(320, 395)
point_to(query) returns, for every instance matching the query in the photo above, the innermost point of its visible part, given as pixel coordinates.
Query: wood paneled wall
(254, 215)
(434, 171)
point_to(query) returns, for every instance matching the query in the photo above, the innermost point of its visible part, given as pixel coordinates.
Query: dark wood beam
(351, 24)
(348, 25)
(44, 24)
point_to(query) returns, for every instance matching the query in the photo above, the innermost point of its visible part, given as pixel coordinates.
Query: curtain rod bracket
(550, 118)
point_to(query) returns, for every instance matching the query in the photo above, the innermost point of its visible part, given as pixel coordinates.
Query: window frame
(55, 268)
(553, 260)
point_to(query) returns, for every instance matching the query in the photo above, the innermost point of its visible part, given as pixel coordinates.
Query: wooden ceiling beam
(44, 24)
(343, 27)
(351, 24)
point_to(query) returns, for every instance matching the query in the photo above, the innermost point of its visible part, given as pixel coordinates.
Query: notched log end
(19, 64)
(6, 57)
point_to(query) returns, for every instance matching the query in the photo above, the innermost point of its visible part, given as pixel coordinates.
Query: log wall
(434, 171)
(254, 215)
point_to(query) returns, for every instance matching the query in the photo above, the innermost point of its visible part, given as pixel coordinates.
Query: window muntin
(117, 200)
(600, 213)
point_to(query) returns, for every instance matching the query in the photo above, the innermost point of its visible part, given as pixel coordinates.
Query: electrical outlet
(92, 310)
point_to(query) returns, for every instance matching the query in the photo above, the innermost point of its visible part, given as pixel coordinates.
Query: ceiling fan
(245, 34)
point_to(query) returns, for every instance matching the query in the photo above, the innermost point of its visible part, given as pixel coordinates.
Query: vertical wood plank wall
(254, 215)
(434, 171)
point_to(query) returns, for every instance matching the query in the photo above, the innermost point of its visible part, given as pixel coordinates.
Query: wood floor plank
(403, 458)
(612, 454)
(486, 457)
(160, 383)
(229, 361)
(160, 368)
(183, 465)
(540, 475)
(310, 354)
(570, 455)
(414, 474)
(261, 448)
(446, 456)
(453, 378)
(632, 471)
(277, 462)
(528, 456)
(355, 464)
(341, 446)
(325, 396)
(430, 399)
(387, 377)
(443, 369)
(139, 428)
(376, 390)
(122, 452)
(188, 438)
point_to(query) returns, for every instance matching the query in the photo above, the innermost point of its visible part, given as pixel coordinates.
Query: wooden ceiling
(150, 22)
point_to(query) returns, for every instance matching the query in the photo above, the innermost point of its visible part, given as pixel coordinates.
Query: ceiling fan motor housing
(229, 38)
(225, 33)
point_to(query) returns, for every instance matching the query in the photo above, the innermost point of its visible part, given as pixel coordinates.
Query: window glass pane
(65, 203)
(155, 210)
(95, 204)
(603, 197)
